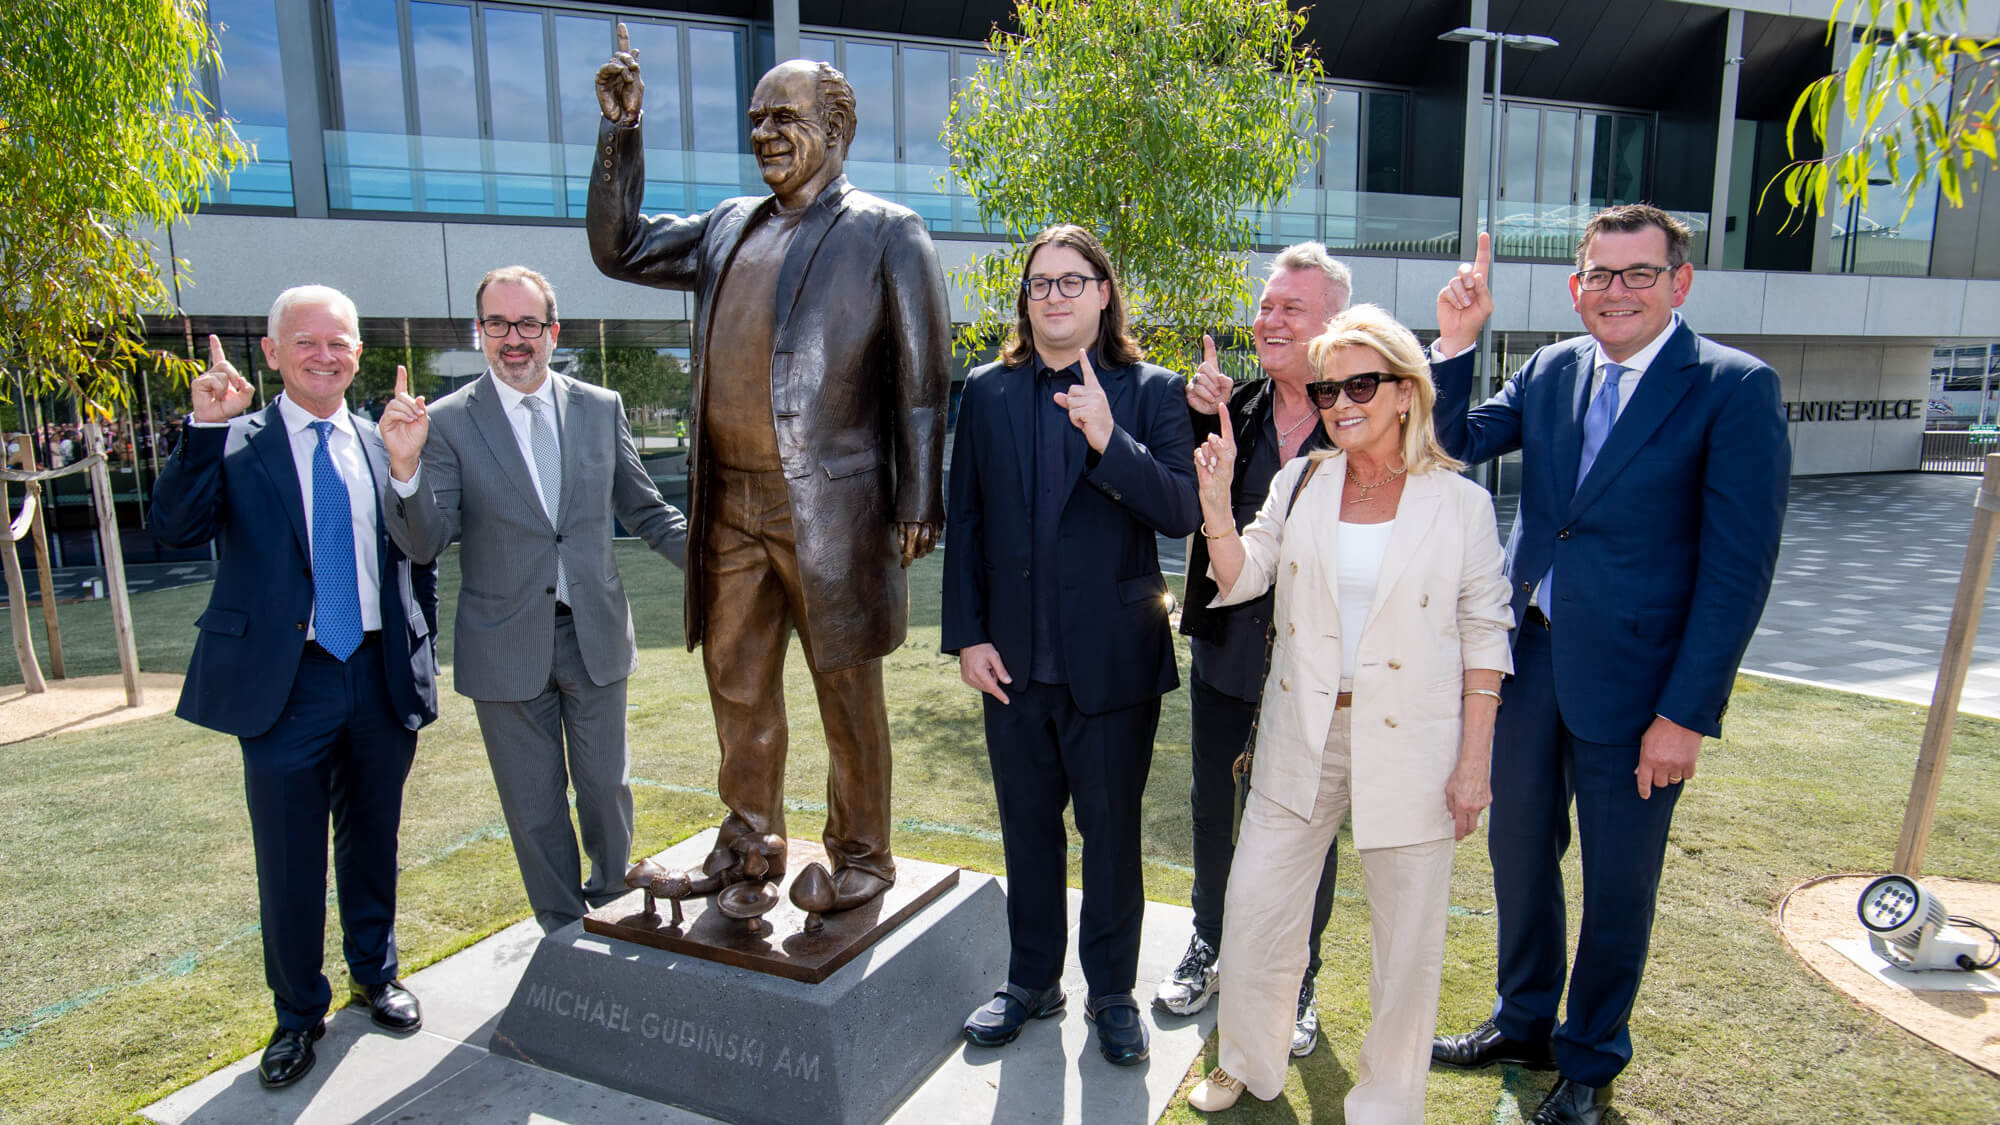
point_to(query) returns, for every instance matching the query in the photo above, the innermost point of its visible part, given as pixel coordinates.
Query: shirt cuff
(1438, 356)
(407, 488)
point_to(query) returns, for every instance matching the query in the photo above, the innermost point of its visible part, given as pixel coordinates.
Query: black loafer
(390, 1005)
(1573, 1103)
(289, 1055)
(1000, 1020)
(1486, 1045)
(1121, 1034)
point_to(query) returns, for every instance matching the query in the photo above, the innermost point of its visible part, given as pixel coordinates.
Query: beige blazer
(1440, 607)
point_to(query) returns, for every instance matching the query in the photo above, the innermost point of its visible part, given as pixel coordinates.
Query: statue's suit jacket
(475, 487)
(238, 485)
(1666, 549)
(859, 381)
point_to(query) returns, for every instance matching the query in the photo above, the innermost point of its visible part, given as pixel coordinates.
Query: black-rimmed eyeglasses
(1069, 285)
(1635, 277)
(496, 328)
(1360, 388)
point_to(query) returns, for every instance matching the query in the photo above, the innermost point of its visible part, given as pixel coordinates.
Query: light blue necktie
(336, 597)
(548, 468)
(1597, 422)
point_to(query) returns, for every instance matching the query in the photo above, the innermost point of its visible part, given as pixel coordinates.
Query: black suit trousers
(1046, 754)
(337, 752)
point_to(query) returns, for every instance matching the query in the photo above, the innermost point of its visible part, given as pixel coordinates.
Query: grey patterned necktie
(548, 469)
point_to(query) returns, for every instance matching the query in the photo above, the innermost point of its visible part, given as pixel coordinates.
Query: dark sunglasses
(1359, 388)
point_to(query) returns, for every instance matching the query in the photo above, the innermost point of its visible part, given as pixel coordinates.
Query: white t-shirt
(1362, 548)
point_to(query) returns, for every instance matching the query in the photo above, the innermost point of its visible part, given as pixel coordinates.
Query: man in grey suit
(528, 468)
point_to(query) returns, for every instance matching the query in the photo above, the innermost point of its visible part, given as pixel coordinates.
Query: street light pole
(1499, 42)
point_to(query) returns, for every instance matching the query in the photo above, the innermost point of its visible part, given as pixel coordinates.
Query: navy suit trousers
(338, 751)
(1539, 767)
(1046, 754)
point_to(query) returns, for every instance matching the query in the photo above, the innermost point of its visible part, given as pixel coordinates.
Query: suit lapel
(490, 418)
(273, 444)
(1572, 399)
(377, 456)
(1660, 390)
(571, 437)
(1416, 515)
(818, 220)
(1325, 525)
(1019, 391)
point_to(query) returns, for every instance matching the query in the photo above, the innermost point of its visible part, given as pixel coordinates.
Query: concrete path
(443, 1074)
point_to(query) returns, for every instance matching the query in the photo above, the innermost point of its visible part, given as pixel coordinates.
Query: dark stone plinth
(779, 942)
(753, 1046)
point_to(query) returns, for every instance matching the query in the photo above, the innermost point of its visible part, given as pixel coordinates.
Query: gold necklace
(1366, 488)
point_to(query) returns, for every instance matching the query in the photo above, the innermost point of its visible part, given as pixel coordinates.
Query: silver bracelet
(1480, 691)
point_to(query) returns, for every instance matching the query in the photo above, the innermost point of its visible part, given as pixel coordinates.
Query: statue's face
(786, 132)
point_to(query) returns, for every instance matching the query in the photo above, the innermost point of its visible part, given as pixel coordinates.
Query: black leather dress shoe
(390, 1005)
(289, 1055)
(1000, 1020)
(1573, 1103)
(1121, 1034)
(1487, 1045)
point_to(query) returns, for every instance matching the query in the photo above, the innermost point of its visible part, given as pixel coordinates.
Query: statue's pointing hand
(621, 93)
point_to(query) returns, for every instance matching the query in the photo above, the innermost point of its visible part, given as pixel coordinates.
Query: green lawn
(132, 965)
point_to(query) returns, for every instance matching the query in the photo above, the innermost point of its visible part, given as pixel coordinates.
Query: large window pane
(1341, 143)
(926, 96)
(716, 116)
(1517, 157)
(871, 70)
(1558, 156)
(517, 75)
(250, 89)
(718, 89)
(441, 39)
(371, 66)
(447, 110)
(582, 45)
(815, 48)
(1386, 128)
(659, 49)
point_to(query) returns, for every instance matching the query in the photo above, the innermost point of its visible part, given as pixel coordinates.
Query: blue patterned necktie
(548, 469)
(1597, 421)
(336, 598)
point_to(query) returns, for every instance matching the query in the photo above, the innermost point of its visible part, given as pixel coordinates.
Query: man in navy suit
(1053, 601)
(1654, 472)
(315, 651)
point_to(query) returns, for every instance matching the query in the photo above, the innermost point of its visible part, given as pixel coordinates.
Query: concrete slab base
(444, 1075)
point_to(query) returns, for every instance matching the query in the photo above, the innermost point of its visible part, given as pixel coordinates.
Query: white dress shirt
(344, 446)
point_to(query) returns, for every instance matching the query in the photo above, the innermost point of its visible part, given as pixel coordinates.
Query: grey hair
(1313, 256)
(341, 304)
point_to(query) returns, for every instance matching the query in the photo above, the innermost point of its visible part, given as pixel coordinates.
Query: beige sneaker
(1217, 1092)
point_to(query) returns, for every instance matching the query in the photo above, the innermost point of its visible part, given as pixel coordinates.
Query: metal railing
(1958, 451)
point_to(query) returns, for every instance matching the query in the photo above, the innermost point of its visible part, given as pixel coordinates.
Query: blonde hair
(1371, 327)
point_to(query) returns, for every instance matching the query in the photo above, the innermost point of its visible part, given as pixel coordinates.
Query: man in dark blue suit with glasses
(1654, 474)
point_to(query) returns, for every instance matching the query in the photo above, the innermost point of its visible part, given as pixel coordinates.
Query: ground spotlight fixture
(1910, 929)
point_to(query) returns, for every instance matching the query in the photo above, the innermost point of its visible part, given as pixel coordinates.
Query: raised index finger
(1227, 433)
(1089, 373)
(402, 381)
(624, 37)
(215, 359)
(1208, 352)
(1482, 261)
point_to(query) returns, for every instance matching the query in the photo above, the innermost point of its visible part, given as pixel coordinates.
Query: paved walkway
(1865, 582)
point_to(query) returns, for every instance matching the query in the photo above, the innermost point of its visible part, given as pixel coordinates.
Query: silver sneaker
(1305, 1032)
(1188, 990)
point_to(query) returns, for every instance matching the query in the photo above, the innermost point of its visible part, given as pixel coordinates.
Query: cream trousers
(1264, 921)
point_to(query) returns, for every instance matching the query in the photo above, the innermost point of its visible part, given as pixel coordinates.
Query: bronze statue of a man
(821, 338)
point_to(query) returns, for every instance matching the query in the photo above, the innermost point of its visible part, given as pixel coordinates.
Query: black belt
(562, 610)
(1535, 616)
(372, 636)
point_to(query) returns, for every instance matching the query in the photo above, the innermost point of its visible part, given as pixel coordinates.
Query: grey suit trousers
(573, 733)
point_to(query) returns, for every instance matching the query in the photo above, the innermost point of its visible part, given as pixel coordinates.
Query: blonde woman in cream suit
(1392, 625)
